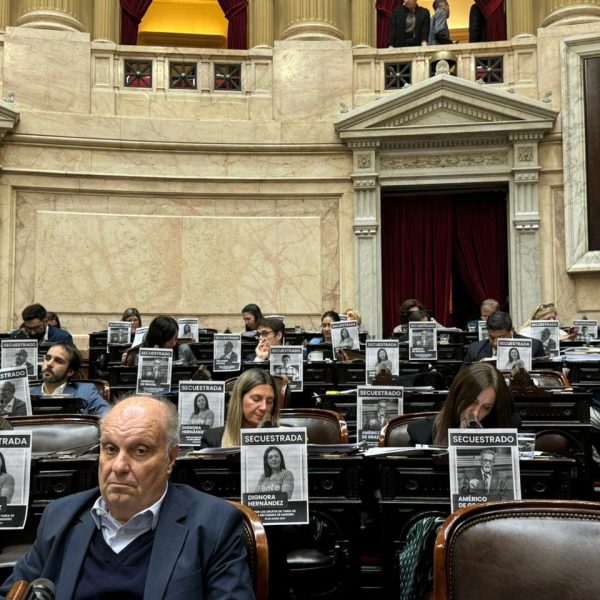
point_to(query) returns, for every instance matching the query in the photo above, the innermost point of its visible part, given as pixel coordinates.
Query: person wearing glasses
(270, 332)
(545, 312)
(35, 326)
(499, 325)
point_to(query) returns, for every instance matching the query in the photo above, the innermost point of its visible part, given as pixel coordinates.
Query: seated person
(328, 317)
(353, 315)
(270, 333)
(487, 307)
(137, 535)
(415, 316)
(499, 325)
(132, 315)
(251, 314)
(61, 362)
(478, 397)
(52, 319)
(254, 401)
(408, 306)
(35, 326)
(162, 333)
(545, 312)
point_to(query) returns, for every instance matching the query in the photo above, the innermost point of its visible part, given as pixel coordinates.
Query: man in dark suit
(484, 482)
(9, 405)
(35, 326)
(410, 25)
(139, 536)
(499, 325)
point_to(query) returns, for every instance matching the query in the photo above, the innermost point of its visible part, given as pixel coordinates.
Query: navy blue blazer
(198, 549)
(55, 334)
(95, 404)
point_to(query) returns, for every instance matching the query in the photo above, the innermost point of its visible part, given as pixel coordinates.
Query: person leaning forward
(138, 536)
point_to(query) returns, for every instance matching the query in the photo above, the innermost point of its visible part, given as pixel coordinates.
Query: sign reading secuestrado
(274, 474)
(484, 466)
(15, 456)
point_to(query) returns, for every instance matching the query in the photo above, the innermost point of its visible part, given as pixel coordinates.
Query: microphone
(470, 422)
(43, 589)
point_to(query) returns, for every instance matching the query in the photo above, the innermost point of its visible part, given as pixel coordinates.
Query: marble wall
(196, 203)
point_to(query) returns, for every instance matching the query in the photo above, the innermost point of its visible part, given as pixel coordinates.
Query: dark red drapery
(424, 238)
(236, 12)
(416, 256)
(384, 20)
(493, 11)
(132, 12)
(480, 251)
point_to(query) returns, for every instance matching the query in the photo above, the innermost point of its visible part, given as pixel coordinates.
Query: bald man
(138, 536)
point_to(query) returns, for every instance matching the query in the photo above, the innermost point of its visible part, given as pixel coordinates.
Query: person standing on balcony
(439, 33)
(410, 25)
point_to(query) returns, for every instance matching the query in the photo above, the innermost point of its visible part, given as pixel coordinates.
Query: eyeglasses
(551, 305)
(265, 334)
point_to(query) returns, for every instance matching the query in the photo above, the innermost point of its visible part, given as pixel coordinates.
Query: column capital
(366, 231)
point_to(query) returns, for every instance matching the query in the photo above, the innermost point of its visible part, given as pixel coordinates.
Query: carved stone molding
(451, 142)
(526, 177)
(365, 183)
(525, 153)
(366, 231)
(446, 105)
(529, 226)
(444, 161)
(364, 145)
(364, 161)
(532, 136)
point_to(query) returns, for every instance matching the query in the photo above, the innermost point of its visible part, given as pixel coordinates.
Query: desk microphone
(470, 422)
(43, 589)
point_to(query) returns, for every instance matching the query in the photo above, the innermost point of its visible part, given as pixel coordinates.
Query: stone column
(569, 12)
(364, 23)
(312, 19)
(368, 235)
(260, 31)
(107, 17)
(525, 284)
(4, 14)
(50, 14)
(519, 18)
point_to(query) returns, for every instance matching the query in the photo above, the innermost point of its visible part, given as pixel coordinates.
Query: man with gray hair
(138, 536)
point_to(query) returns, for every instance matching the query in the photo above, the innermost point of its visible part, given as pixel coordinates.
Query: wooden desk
(416, 486)
(334, 487)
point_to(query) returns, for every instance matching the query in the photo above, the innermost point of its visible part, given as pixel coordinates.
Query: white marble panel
(275, 261)
(106, 257)
(57, 64)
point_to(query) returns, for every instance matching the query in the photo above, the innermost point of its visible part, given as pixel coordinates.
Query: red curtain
(493, 11)
(384, 20)
(424, 238)
(132, 12)
(236, 12)
(480, 250)
(416, 256)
